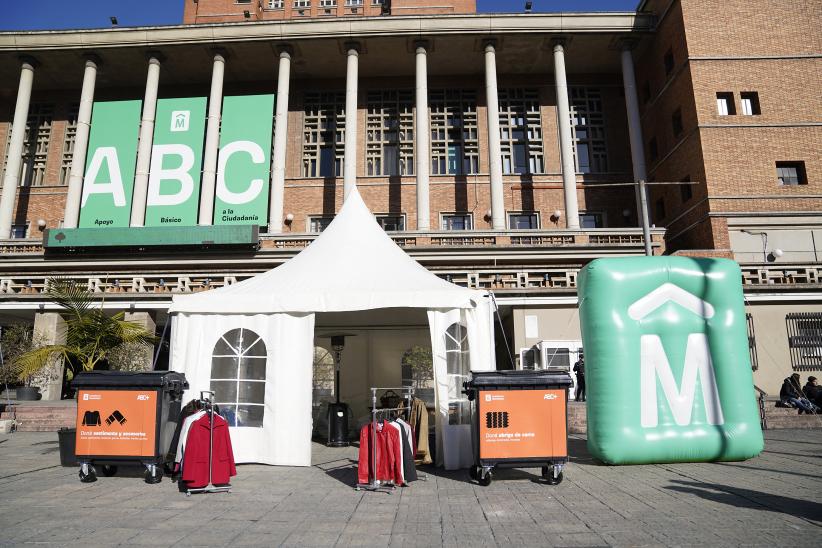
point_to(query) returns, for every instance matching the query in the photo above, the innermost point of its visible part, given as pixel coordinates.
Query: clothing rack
(374, 484)
(208, 406)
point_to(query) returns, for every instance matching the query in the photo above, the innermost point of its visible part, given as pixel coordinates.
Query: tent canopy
(352, 265)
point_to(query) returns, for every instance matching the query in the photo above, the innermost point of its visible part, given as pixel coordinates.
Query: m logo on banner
(654, 363)
(179, 120)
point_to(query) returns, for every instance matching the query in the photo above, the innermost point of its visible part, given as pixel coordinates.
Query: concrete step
(42, 416)
(799, 421)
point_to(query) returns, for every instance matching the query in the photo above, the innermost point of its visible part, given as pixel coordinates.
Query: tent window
(323, 375)
(459, 368)
(238, 366)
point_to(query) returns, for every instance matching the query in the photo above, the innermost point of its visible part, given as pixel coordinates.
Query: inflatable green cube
(668, 374)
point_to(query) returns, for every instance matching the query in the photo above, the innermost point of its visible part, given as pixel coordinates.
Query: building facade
(521, 170)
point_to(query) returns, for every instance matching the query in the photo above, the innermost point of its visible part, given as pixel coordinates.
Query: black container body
(338, 414)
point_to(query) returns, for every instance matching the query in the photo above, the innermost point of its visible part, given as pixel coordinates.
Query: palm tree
(91, 334)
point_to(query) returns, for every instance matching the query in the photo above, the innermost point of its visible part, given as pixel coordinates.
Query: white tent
(252, 342)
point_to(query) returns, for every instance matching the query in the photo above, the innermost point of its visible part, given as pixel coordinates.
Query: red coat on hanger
(388, 449)
(195, 460)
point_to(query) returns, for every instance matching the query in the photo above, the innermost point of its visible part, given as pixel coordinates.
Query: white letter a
(114, 186)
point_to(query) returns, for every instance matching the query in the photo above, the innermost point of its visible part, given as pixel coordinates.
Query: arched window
(238, 377)
(459, 369)
(323, 375)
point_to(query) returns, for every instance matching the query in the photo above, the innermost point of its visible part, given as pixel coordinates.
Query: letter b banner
(668, 374)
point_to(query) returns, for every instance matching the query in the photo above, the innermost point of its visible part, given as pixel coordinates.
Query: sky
(77, 14)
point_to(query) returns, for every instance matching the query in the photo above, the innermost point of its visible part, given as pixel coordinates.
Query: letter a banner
(176, 162)
(110, 164)
(244, 162)
(667, 369)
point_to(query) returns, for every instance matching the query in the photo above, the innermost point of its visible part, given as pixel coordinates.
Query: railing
(760, 397)
(774, 274)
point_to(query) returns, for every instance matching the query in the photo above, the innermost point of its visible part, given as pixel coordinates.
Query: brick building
(528, 173)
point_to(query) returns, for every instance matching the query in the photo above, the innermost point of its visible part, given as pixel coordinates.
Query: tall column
(350, 162)
(566, 146)
(275, 215)
(14, 162)
(138, 199)
(635, 136)
(423, 137)
(212, 140)
(71, 215)
(494, 148)
(50, 328)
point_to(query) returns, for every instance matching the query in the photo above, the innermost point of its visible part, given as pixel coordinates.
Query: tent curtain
(213, 346)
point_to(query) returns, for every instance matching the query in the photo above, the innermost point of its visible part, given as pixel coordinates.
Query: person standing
(579, 369)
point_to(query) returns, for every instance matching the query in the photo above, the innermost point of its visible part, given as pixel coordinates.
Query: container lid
(518, 378)
(128, 379)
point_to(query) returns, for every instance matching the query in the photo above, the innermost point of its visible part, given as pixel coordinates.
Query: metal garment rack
(208, 406)
(374, 484)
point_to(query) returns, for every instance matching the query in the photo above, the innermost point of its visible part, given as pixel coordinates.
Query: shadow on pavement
(747, 498)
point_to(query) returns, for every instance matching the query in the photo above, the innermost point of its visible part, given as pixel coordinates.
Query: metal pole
(337, 376)
(646, 227)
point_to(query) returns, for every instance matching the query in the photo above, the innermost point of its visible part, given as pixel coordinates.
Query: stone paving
(773, 500)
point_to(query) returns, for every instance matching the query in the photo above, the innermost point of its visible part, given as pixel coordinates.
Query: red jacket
(195, 460)
(389, 467)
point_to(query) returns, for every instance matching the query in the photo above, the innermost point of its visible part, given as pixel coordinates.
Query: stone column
(50, 328)
(212, 140)
(138, 200)
(11, 178)
(275, 214)
(143, 356)
(350, 162)
(494, 148)
(71, 215)
(635, 136)
(423, 137)
(566, 145)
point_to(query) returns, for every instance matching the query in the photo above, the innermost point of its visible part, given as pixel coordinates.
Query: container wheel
(88, 474)
(485, 481)
(554, 480)
(109, 471)
(156, 477)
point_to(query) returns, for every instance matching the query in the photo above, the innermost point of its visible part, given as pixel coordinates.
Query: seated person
(813, 391)
(791, 394)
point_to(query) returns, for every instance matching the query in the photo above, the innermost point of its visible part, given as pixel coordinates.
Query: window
(750, 103)
(523, 221)
(685, 190)
(418, 371)
(668, 60)
(68, 144)
(725, 103)
(588, 127)
(456, 221)
(323, 383)
(19, 231)
(238, 373)
(390, 133)
(660, 209)
(805, 340)
(353, 2)
(242, 1)
(318, 223)
(557, 358)
(791, 173)
(590, 220)
(391, 222)
(324, 134)
(459, 370)
(454, 134)
(36, 143)
(676, 122)
(302, 3)
(328, 3)
(520, 127)
(653, 149)
(275, 4)
(752, 342)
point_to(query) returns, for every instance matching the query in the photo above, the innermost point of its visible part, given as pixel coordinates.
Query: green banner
(176, 161)
(110, 164)
(245, 160)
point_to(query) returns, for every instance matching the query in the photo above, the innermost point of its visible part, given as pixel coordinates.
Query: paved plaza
(773, 500)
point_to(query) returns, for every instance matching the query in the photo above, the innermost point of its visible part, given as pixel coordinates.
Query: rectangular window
(242, 1)
(390, 133)
(302, 3)
(456, 221)
(660, 209)
(19, 231)
(353, 2)
(318, 223)
(36, 142)
(275, 4)
(791, 173)
(590, 220)
(523, 221)
(588, 130)
(68, 144)
(454, 134)
(805, 340)
(390, 222)
(750, 103)
(685, 190)
(676, 122)
(669, 61)
(324, 134)
(725, 103)
(520, 127)
(752, 342)
(653, 149)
